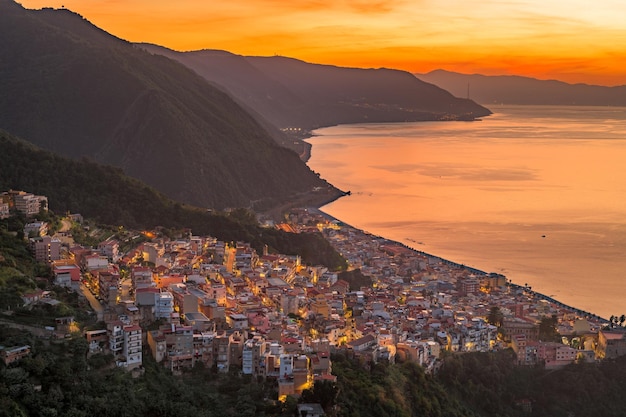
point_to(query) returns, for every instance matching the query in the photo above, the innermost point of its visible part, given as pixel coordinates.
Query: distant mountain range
(69, 87)
(512, 89)
(293, 93)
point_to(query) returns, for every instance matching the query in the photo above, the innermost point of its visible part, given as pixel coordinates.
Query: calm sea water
(537, 193)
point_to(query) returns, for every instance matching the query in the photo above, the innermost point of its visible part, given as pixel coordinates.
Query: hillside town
(196, 299)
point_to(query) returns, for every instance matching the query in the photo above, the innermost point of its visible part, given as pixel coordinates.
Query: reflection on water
(535, 192)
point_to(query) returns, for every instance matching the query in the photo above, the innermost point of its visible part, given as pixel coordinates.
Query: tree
(495, 316)
(323, 392)
(547, 329)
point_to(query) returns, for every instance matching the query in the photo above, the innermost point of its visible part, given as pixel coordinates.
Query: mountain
(71, 88)
(292, 93)
(512, 89)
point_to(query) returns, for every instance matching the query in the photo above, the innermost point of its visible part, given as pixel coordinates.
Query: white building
(132, 347)
(163, 305)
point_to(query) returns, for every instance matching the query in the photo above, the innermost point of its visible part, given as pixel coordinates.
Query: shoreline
(578, 295)
(532, 293)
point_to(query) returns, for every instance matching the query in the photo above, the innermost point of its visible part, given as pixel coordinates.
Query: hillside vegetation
(59, 379)
(108, 196)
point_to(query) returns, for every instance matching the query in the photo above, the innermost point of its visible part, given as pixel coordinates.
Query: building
(253, 359)
(97, 340)
(199, 322)
(46, 249)
(34, 296)
(35, 229)
(152, 252)
(27, 203)
(203, 348)
(319, 305)
(555, 355)
(302, 375)
(163, 305)
(611, 343)
(525, 350)
(363, 343)
(115, 331)
(469, 286)
(132, 348)
(4, 210)
(94, 261)
(237, 321)
(66, 274)
(108, 281)
(142, 277)
(514, 327)
(110, 249)
(14, 354)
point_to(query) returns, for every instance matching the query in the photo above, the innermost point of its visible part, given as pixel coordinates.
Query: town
(196, 299)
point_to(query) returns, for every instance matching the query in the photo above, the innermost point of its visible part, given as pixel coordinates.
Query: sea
(537, 193)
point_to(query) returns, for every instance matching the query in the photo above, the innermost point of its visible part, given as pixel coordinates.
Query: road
(63, 234)
(95, 304)
(66, 225)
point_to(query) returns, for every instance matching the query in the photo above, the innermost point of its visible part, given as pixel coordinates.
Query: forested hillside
(58, 379)
(105, 194)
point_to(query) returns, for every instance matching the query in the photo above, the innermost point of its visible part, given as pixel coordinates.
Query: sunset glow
(573, 41)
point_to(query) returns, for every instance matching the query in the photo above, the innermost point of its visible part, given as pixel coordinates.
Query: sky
(577, 41)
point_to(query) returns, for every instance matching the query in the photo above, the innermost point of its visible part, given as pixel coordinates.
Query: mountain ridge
(293, 93)
(72, 88)
(516, 89)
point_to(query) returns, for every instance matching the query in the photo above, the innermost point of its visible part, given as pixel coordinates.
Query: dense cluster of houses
(436, 304)
(226, 306)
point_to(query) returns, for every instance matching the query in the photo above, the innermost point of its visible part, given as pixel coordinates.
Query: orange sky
(569, 40)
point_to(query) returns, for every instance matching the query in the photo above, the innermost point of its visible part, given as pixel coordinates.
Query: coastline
(531, 293)
(578, 263)
(592, 243)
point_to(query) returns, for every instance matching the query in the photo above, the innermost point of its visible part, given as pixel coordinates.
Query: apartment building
(132, 347)
(46, 249)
